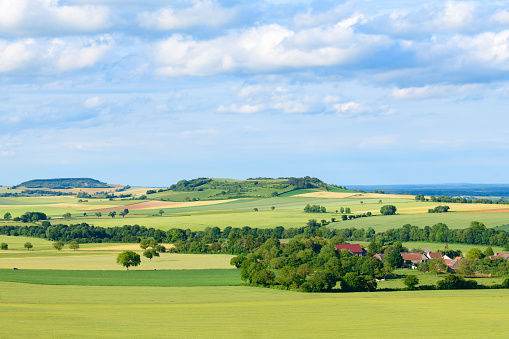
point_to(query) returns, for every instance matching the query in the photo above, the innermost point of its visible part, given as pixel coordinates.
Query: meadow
(48, 311)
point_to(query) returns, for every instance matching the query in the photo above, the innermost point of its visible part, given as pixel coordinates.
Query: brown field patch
(153, 204)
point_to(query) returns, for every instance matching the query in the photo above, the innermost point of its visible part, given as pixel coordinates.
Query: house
(415, 258)
(451, 263)
(504, 256)
(355, 249)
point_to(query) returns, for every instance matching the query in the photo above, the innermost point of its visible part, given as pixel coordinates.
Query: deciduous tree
(73, 245)
(128, 259)
(28, 245)
(58, 245)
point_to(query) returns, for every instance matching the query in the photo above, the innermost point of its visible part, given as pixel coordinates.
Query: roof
(379, 256)
(353, 248)
(504, 256)
(434, 255)
(412, 256)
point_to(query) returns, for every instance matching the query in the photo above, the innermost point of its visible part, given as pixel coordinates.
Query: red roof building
(414, 257)
(434, 255)
(355, 249)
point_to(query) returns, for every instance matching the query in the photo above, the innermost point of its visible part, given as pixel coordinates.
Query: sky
(352, 92)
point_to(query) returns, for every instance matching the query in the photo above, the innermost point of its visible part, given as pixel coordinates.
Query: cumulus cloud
(93, 102)
(349, 109)
(265, 48)
(202, 13)
(244, 109)
(38, 17)
(433, 91)
(43, 56)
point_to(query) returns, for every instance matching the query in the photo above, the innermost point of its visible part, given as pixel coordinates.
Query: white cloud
(244, 109)
(93, 102)
(349, 109)
(38, 17)
(44, 56)
(202, 13)
(15, 55)
(433, 91)
(265, 48)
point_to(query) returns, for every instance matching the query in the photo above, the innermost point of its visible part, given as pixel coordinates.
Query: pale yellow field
(340, 195)
(85, 260)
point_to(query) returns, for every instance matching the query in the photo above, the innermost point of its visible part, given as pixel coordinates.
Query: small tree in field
(58, 245)
(67, 215)
(4, 246)
(98, 214)
(161, 212)
(112, 214)
(411, 281)
(128, 258)
(7, 216)
(28, 245)
(73, 245)
(149, 253)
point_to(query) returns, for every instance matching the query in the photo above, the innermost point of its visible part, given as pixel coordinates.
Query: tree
(394, 258)
(28, 245)
(144, 244)
(98, 214)
(475, 253)
(58, 245)
(477, 225)
(149, 253)
(73, 245)
(7, 216)
(348, 210)
(342, 210)
(466, 266)
(273, 208)
(411, 281)
(112, 214)
(161, 212)
(255, 209)
(388, 210)
(128, 259)
(489, 252)
(4, 246)
(67, 215)
(124, 212)
(436, 266)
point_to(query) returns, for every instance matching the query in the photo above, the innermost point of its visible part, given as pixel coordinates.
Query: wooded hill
(63, 183)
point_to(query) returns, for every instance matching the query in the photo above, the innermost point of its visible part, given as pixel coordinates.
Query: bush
(454, 282)
(388, 210)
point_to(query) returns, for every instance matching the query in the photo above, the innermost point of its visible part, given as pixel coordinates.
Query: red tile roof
(353, 248)
(434, 255)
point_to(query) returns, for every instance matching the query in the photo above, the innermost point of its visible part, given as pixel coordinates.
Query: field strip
(149, 205)
(340, 195)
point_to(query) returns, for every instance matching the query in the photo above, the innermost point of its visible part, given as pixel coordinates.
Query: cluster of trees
(439, 209)
(310, 264)
(315, 209)
(29, 217)
(62, 183)
(458, 200)
(189, 185)
(346, 210)
(388, 210)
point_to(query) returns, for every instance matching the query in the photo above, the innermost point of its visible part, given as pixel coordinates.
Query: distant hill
(62, 183)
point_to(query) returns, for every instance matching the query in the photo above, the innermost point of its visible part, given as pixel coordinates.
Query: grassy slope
(40, 311)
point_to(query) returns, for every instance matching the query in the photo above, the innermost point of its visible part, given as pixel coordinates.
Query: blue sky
(354, 92)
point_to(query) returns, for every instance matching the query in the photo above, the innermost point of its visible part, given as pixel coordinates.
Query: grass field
(205, 277)
(45, 311)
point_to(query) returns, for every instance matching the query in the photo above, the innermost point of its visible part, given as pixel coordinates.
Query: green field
(205, 277)
(45, 311)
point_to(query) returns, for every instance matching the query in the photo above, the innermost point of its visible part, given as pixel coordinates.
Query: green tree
(58, 245)
(411, 281)
(273, 208)
(149, 253)
(466, 266)
(112, 214)
(28, 245)
(255, 209)
(124, 212)
(388, 210)
(67, 215)
(144, 243)
(436, 266)
(477, 225)
(4, 246)
(7, 216)
(342, 210)
(475, 253)
(98, 214)
(161, 212)
(73, 245)
(128, 259)
(394, 258)
(489, 252)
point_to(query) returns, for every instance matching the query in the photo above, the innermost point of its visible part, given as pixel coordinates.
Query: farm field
(288, 212)
(244, 312)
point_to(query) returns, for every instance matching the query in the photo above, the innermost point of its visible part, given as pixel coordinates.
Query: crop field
(46, 311)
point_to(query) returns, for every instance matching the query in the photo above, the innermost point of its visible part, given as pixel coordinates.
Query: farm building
(355, 249)
(415, 258)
